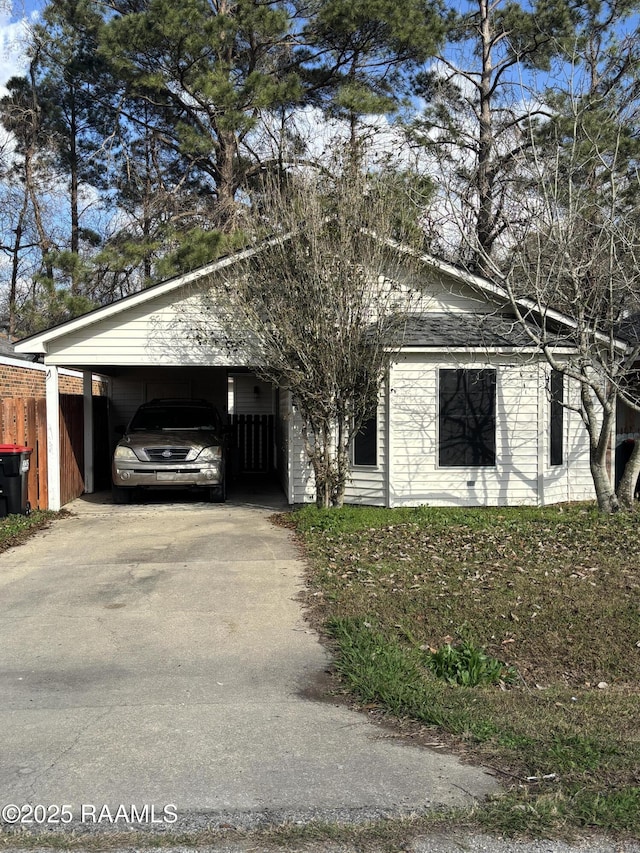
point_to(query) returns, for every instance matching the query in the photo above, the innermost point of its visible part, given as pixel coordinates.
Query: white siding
(416, 477)
(177, 328)
(408, 473)
(183, 327)
(367, 484)
(440, 293)
(572, 480)
(302, 479)
(446, 295)
(554, 481)
(580, 481)
(251, 396)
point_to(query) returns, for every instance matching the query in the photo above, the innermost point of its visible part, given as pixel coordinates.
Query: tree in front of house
(320, 307)
(579, 254)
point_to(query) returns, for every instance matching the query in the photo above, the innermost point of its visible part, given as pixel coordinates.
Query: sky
(13, 23)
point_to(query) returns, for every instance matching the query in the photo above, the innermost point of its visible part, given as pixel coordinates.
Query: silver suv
(171, 444)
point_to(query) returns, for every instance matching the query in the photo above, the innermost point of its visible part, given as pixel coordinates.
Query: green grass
(15, 529)
(550, 597)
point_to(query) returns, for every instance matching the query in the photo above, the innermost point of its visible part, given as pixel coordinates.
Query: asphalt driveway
(156, 655)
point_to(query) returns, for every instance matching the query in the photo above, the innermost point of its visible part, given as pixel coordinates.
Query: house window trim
(475, 469)
(361, 466)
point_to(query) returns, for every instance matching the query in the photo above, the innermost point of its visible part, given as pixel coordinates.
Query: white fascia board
(38, 343)
(532, 350)
(36, 365)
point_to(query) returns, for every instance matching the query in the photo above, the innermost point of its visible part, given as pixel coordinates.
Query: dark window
(365, 444)
(467, 417)
(557, 416)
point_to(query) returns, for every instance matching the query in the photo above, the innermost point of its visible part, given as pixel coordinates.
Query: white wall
(415, 476)
(302, 480)
(367, 484)
(251, 396)
(580, 482)
(184, 327)
(522, 475)
(177, 328)
(408, 454)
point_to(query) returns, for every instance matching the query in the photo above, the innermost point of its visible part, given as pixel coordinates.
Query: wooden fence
(23, 420)
(252, 445)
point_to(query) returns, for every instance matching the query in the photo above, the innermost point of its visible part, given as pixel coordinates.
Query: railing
(252, 444)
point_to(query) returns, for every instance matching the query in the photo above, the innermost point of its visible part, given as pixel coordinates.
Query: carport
(166, 341)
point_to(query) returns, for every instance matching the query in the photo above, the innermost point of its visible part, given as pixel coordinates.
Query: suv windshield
(171, 418)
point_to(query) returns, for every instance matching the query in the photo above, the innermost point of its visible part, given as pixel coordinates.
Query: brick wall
(29, 381)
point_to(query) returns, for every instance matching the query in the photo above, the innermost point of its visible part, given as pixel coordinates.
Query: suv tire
(217, 494)
(120, 495)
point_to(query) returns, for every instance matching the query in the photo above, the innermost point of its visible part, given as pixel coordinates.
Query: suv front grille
(167, 454)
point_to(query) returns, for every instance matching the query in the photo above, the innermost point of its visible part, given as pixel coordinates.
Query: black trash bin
(14, 470)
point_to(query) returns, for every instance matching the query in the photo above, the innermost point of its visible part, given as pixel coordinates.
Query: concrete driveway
(155, 654)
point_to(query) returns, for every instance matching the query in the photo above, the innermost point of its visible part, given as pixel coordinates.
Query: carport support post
(53, 436)
(87, 399)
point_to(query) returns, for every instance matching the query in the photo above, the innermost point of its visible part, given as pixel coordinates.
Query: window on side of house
(365, 444)
(467, 418)
(556, 431)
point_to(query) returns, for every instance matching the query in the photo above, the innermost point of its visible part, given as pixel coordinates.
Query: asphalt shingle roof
(464, 330)
(7, 349)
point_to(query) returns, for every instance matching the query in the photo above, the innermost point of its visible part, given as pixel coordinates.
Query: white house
(465, 417)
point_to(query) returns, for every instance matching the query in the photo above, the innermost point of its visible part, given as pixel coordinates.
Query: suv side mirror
(120, 429)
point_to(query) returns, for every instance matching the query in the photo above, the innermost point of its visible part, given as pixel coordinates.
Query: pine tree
(72, 82)
(207, 70)
(359, 54)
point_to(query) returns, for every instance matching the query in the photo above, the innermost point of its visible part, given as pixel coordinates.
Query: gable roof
(38, 341)
(444, 331)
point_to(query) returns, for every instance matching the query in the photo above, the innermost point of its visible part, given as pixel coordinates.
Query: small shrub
(468, 665)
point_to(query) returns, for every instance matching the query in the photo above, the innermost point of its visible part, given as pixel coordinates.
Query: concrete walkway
(155, 654)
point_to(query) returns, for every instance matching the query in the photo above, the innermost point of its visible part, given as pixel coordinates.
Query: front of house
(469, 414)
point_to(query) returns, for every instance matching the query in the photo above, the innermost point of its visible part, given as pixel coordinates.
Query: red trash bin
(14, 470)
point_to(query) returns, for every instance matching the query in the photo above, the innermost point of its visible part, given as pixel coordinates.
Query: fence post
(87, 400)
(53, 437)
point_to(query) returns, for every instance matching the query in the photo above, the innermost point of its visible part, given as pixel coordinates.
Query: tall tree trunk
(485, 145)
(75, 215)
(146, 199)
(45, 243)
(15, 263)
(226, 162)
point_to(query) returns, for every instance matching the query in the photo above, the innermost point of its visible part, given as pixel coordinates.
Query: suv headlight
(122, 453)
(210, 454)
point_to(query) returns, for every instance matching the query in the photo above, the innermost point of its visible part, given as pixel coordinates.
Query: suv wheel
(217, 494)
(120, 495)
